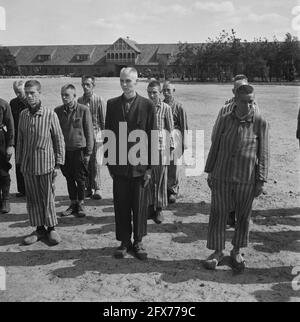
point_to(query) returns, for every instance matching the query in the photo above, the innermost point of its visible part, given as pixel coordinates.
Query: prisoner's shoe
(70, 211)
(213, 260)
(139, 251)
(5, 207)
(158, 217)
(81, 211)
(97, 195)
(121, 251)
(172, 198)
(53, 237)
(238, 262)
(88, 193)
(35, 236)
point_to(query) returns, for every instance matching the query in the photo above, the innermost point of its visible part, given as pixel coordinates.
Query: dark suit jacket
(142, 116)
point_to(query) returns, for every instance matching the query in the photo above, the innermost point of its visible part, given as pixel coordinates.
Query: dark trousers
(131, 208)
(5, 166)
(76, 173)
(20, 180)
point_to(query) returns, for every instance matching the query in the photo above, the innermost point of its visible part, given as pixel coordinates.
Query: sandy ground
(82, 268)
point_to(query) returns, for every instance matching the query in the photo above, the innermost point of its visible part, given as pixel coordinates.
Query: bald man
(238, 81)
(238, 163)
(180, 126)
(130, 181)
(18, 104)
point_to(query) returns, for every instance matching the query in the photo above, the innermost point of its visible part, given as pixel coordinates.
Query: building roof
(132, 44)
(64, 55)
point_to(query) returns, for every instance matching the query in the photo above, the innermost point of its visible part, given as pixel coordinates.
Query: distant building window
(108, 56)
(43, 57)
(133, 55)
(117, 56)
(129, 55)
(112, 56)
(82, 57)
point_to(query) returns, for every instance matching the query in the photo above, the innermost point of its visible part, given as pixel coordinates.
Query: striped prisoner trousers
(158, 195)
(226, 197)
(94, 180)
(40, 200)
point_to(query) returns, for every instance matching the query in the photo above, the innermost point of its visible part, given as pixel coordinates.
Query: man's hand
(9, 152)
(147, 177)
(55, 172)
(258, 188)
(86, 160)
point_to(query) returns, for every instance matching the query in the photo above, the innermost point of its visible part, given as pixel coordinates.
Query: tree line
(218, 59)
(221, 58)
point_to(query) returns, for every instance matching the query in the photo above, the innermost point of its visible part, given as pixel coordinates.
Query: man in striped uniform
(40, 153)
(165, 128)
(77, 127)
(6, 151)
(237, 163)
(96, 106)
(180, 126)
(238, 81)
(17, 105)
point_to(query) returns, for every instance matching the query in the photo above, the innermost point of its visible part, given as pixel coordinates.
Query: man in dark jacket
(6, 150)
(76, 124)
(130, 112)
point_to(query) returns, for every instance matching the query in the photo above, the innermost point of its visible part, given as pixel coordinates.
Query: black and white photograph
(149, 153)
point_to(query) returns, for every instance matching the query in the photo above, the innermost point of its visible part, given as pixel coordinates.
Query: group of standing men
(69, 138)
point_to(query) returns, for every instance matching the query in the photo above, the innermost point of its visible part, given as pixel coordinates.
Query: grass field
(82, 267)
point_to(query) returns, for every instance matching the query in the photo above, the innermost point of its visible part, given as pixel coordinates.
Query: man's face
(238, 84)
(168, 91)
(128, 82)
(32, 95)
(245, 101)
(20, 92)
(68, 97)
(88, 86)
(154, 93)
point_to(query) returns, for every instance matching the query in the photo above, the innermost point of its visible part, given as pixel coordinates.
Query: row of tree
(227, 55)
(8, 65)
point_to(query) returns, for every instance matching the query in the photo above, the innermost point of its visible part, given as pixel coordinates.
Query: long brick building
(99, 60)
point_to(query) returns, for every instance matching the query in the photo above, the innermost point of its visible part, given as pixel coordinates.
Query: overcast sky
(41, 22)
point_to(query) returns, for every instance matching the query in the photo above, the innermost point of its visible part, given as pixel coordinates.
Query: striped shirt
(164, 122)
(97, 107)
(179, 116)
(240, 150)
(228, 108)
(41, 144)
